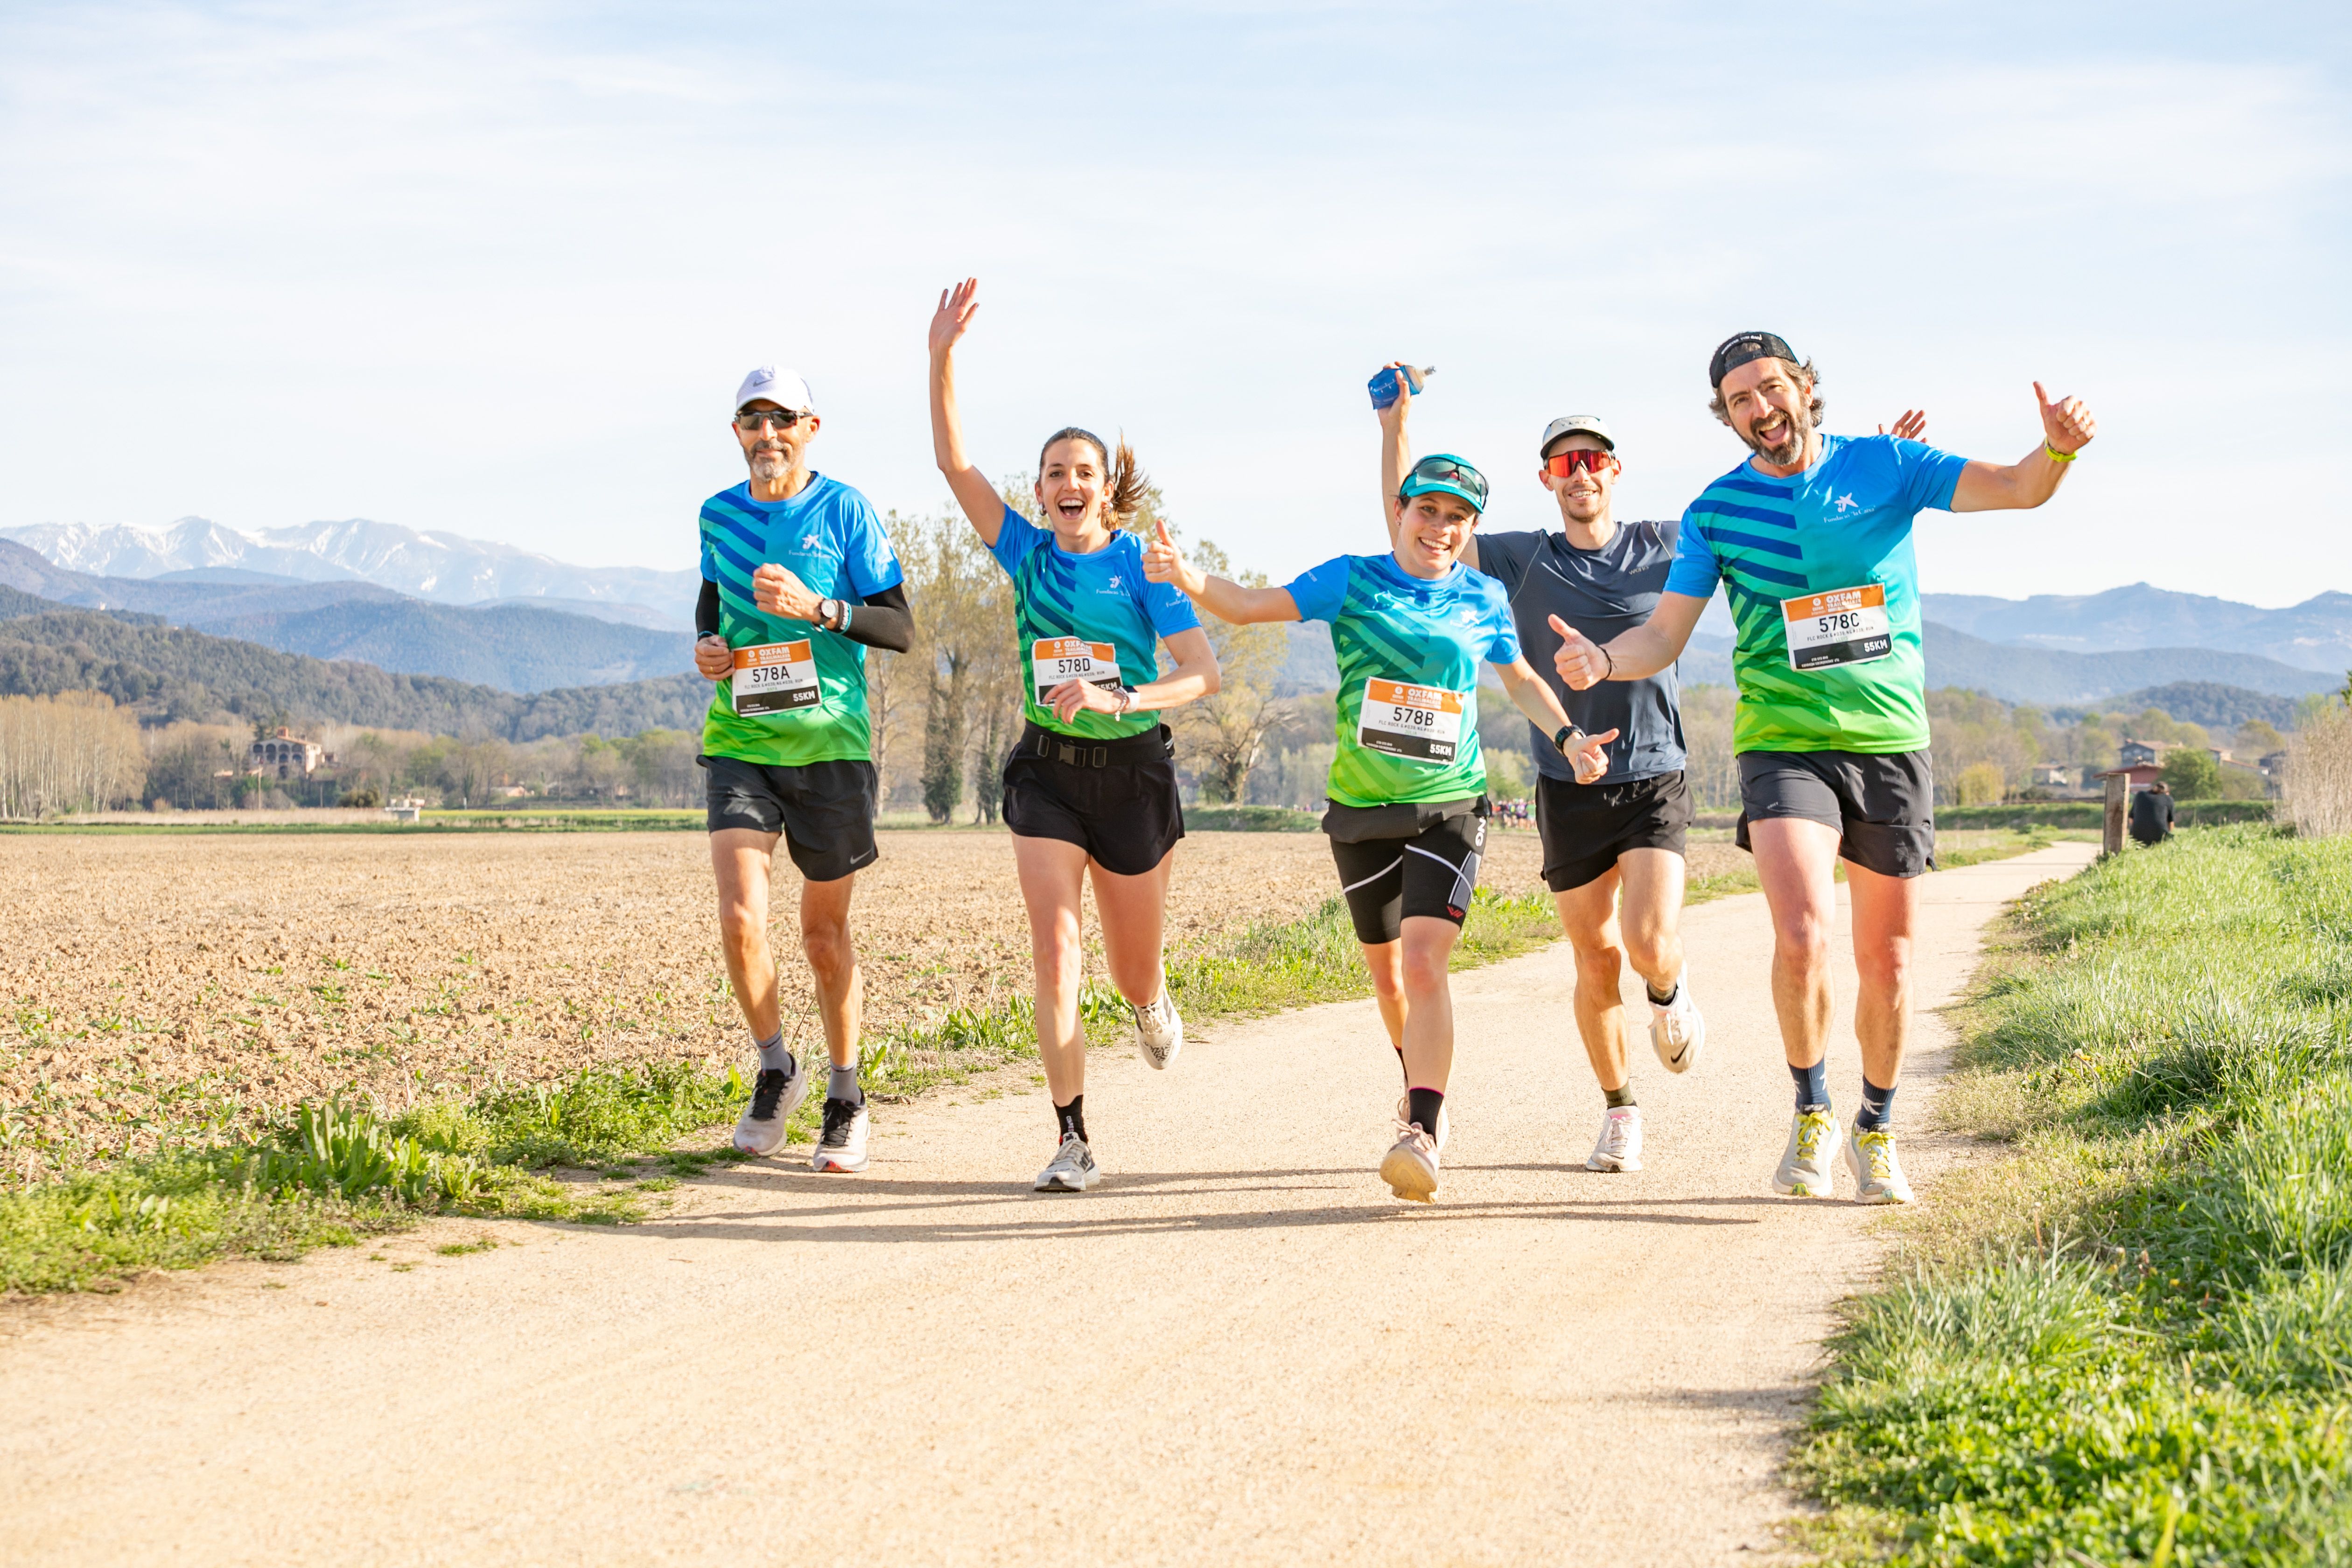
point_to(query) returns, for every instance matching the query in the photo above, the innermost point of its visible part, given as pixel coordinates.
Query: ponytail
(1125, 480)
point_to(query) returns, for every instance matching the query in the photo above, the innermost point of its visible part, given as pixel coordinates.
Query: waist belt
(1080, 752)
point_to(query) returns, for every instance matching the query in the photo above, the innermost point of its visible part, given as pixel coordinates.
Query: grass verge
(2130, 1341)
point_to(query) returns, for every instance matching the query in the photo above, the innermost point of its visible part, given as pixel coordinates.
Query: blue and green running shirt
(1821, 564)
(1408, 649)
(1092, 617)
(815, 693)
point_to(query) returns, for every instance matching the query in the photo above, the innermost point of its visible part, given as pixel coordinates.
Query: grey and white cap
(784, 388)
(1576, 424)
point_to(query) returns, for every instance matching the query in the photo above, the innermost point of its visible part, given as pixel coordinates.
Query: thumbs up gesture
(1163, 562)
(2066, 423)
(1581, 661)
(1591, 759)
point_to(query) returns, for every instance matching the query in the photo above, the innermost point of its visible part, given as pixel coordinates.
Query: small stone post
(2111, 841)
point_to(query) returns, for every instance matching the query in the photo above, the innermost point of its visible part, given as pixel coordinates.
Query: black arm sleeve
(883, 620)
(705, 610)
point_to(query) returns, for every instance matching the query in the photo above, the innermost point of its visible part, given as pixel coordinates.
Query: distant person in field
(2151, 814)
(1810, 539)
(798, 581)
(1090, 786)
(1612, 848)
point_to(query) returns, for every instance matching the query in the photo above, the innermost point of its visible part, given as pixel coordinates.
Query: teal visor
(1444, 471)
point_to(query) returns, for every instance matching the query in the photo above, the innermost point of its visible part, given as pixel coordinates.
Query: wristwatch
(828, 611)
(1559, 740)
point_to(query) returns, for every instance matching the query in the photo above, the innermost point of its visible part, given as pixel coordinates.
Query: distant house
(286, 755)
(2144, 754)
(2272, 765)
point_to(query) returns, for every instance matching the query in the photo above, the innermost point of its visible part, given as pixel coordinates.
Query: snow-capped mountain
(444, 567)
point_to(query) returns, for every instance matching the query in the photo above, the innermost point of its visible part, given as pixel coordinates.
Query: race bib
(1052, 660)
(1844, 626)
(774, 678)
(1421, 722)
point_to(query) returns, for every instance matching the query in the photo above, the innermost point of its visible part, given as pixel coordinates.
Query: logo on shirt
(1846, 502)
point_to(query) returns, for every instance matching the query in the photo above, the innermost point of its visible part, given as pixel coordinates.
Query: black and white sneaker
(841, 1145)
(1074, 1169)
(775, 1095)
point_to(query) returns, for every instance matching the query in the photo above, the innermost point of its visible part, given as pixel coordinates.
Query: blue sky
(497, 269)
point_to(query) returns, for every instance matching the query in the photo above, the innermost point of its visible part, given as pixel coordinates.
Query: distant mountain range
(2315, 635)
(517, 645)
(442, 567)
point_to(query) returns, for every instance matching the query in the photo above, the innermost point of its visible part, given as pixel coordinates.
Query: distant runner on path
(1811, 541)
(1623, 831)
(798, 579)
(1090, 786)
(1408, 783)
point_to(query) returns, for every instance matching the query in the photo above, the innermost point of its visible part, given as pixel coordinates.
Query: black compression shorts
(1430, 872)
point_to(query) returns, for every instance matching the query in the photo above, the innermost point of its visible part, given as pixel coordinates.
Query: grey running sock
(843, 1085)
(1620, 1098)
(1877, 1108)
(773, 1057)
(1812, 1086)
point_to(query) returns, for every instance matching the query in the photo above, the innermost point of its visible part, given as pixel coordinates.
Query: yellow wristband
(2058, 456)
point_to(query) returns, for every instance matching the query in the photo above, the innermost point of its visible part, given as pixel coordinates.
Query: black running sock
(1812, 1086)
(1620, 1098)
(773, 1057)
(1402, 1068)
(1877, 1108)
(1423, 1105)
(1658, 1001)
(1072, 1118)
(841, 1083)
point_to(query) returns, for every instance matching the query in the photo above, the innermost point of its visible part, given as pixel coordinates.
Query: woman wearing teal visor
(1408, 785)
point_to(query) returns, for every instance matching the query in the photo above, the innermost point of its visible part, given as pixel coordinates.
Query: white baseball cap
(784, 388)
(1576, 424)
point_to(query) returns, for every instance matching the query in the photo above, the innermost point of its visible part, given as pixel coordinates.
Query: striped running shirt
(1087, 617)
(1799, 557)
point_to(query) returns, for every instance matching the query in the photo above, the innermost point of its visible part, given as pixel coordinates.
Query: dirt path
(1239, 1352)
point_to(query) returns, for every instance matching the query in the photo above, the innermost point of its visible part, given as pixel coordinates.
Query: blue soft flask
(1384, 385)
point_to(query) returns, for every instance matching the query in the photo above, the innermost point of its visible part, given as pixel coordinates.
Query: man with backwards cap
(1810, 540)
(798, 579)
(1625, 831)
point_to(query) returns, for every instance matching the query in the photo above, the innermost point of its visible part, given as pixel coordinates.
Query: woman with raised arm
(1408, 783)
(1090, 786)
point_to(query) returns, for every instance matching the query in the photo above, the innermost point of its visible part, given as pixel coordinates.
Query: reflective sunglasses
(1559, 465)
(752, 418)
(1450, 472)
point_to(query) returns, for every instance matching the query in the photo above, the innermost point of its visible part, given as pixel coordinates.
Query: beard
(770, 461)
(1786, 445)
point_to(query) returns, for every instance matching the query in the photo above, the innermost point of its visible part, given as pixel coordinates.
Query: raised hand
(1910, 426)
(713, 659)
(1394, 415)
(1163, 562)
(1591, 759)
(1580, 661)
(777, 591)
(958, 306)
(2067, 423)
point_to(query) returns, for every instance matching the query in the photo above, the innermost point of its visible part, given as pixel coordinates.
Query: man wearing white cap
(1623, 833)
(798, 579)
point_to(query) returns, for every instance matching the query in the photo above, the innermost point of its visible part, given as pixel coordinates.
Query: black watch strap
(1559, 739)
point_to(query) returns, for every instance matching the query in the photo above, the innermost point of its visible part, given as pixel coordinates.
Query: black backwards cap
(1739, 348)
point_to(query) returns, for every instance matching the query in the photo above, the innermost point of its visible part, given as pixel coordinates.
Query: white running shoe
(1410, 1167)
(1404, 1119)
(1074, 1169)
(1804, 1170)
(775, 1095)
(1159, 1032)
(1877, 1174)
(1677, 1032)
(1620, 1148)
(841, 1145)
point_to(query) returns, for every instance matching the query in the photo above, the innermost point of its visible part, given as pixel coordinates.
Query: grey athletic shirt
(1601, 593)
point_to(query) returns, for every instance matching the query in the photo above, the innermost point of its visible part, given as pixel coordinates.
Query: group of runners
(1809, 538)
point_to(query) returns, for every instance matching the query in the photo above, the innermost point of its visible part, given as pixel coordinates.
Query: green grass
(2092, 814)
(2131, 1342)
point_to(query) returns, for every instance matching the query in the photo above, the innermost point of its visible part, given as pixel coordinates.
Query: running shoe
(1074, 1169)
(1410, 1167)
(1877, 1174)
(775, 1095)
(1804, 1170)
(1620, 1148)
(1677, 1033)
(1404, 1118)
(841, 1145)
(1159, 1032)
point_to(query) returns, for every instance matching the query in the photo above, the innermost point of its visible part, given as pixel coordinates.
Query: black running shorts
(1882, 805)
(824, 810)
(1114, 799)
(1429, 872)
(1586, 826)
